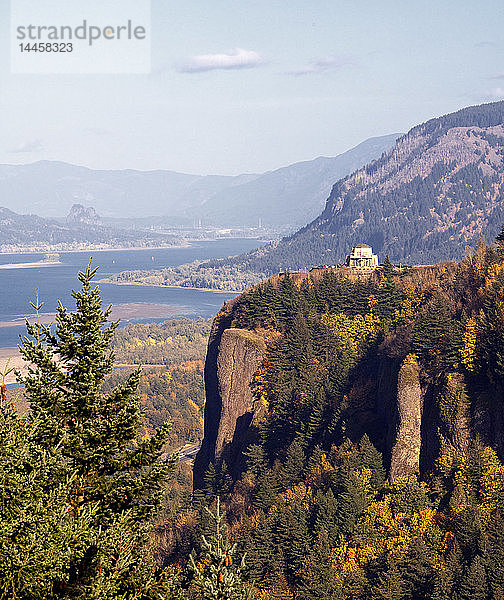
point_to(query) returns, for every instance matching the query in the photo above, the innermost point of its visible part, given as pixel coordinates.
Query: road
(188, 454)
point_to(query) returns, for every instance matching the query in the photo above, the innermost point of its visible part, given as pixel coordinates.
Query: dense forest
(170, 387)
(371, 467)
(334, 493)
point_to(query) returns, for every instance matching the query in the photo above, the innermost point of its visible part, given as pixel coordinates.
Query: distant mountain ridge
(291, 195)
(423, 201)
(82, 229)
(50, 188)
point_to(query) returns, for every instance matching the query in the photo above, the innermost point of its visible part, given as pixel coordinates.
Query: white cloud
(321, 65)
(497, 93)
(238, 58)
(29, 146)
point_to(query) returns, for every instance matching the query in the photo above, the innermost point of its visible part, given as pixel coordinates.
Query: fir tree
(217, 573)
(319, 578)
(419, 571)
(391, 585)
(109, 469)
(40, 532)
(494, 558)
(294, 538)
(257, 544)
(387, 269)
(256, 459)
(474, 581)
(266, 490)
(97, 432)
(437, 336)
(372, 459)
(326, 511)
(294, 464)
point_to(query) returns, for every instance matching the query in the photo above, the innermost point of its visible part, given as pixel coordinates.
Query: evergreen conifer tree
(391, 585)
(325, 514)
(266, 490)
(294, 464)
(387, 268)
(110, 471)
(474, 581)
(256, 459)
(217, 573)
(319, 578)
(494, 558)
(40, 533)
(97, 432)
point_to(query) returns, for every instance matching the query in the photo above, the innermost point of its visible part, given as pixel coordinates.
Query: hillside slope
(354, 427)
(424, 200)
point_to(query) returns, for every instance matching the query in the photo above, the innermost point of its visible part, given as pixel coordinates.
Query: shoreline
(31, 250)
(31, 265)
(177, 287)
(123, 312)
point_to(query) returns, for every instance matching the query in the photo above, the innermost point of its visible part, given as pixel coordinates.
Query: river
(18, 284)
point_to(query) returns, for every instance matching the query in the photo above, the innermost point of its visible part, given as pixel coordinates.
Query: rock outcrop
(240, 355)
(405, 458)
(233, 356)
(82, 216)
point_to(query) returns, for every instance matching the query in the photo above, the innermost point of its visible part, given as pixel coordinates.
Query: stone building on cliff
(362, 257)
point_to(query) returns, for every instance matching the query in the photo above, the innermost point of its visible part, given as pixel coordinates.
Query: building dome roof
(362, 246)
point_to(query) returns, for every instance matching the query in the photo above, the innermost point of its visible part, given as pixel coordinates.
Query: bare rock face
(233, 356)
(406, 449)
(240, 354)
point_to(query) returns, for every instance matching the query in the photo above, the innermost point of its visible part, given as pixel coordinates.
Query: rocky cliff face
(405, 458)
(240, 355)
(391, 401)
(233, 356)
(412, 360)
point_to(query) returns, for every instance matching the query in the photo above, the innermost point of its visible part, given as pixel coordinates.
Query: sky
(246, 86)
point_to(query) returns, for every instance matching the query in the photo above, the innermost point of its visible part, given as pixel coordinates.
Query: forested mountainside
(423, 201)
(171, 387)
(354, 426)
(81, 229)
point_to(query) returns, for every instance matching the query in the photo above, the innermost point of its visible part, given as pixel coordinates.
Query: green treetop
(216, 572)
(97, 432)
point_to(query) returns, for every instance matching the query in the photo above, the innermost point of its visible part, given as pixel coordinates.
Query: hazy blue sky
(321, 77)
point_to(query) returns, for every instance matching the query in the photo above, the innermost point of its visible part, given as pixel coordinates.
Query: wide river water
(18, 284)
